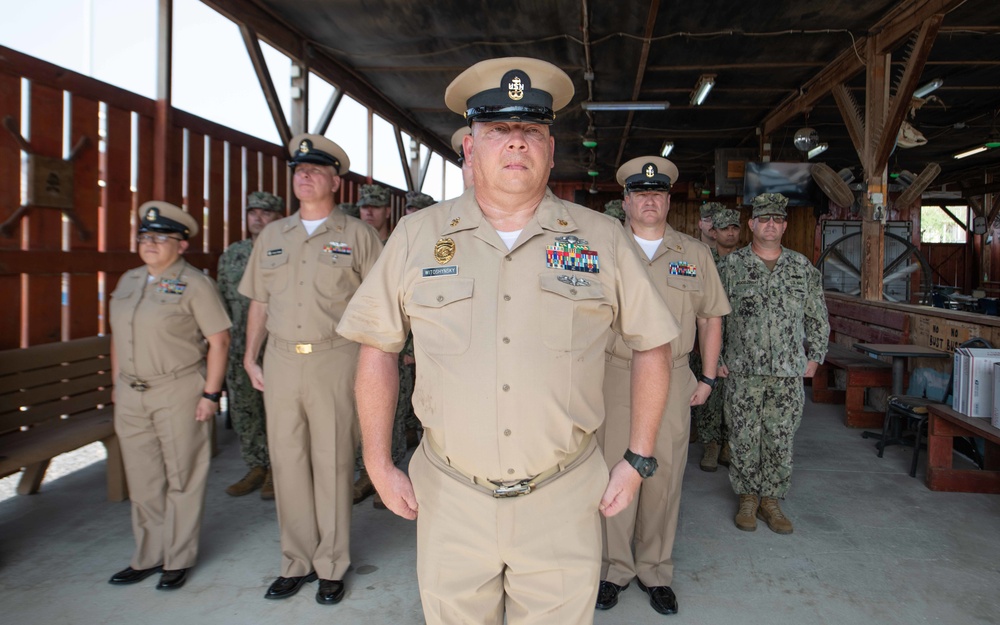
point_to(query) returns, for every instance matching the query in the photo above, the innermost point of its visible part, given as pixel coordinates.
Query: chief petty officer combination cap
(266, 201)
(373, 195)
(456, 142)
(418, 200)
(725, 218)
(318, 150)
(647, 173)
(709, 209)
(770, 204)
(157, 216)
(516, 89)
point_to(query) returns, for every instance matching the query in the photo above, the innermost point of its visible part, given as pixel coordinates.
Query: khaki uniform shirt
(683, 271)
(779, 318)
(159, 326)
(306, 280)
(509, 345)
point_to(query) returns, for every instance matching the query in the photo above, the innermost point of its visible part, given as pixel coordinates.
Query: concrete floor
(871, 545)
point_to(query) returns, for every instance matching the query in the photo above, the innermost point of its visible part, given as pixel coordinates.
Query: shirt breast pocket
(570, 320)
(334, 274)
(441, 315)
(274, 273)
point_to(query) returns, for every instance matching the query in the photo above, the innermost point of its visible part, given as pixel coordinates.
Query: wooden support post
(300, 98)
(873, 205)
(162, 123)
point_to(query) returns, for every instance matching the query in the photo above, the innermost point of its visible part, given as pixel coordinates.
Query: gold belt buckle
(303, 348)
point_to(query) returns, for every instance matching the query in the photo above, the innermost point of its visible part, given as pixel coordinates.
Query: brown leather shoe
(770, 513)
(746, 516)
(267, 490)
(363, 488)
(250, 482)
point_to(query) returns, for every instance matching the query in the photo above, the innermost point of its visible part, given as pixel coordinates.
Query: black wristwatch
(216, 397)
(707, 380)
(645, 466)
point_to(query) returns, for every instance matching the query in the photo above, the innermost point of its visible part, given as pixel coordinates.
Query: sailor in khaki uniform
(683, 271)
(510, 293)
(170, 340)
(303, 270)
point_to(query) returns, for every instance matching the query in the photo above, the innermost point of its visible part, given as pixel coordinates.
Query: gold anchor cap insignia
(152, 214)
(444, 250)
(650, 170)
(305, 146)
(515, 88)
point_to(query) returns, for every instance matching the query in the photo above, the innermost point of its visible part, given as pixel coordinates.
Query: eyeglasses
(766, 218)
(145, 237)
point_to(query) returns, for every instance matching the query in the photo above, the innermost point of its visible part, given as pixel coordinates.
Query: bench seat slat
(13, 420)
(47, 375)
(42, 396)
(35, 357)
(45, 441)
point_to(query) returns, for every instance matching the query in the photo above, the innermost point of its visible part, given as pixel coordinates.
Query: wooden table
(943, 425)
(899, 354)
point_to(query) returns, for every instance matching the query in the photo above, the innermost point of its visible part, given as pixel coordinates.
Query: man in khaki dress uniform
(303, 270)
(684, 273)
(456, 144)
(510, 293)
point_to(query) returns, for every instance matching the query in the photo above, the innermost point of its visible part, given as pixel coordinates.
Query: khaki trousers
(535, 558)
(166, 454)
(311, 437)
(639, 540)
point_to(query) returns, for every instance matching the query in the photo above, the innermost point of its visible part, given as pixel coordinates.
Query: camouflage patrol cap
(708, 209)
(418, 200)
(266, 201)
(614, 209)
(373, 195)
(770, 204)
(349, 208)
(725, 218)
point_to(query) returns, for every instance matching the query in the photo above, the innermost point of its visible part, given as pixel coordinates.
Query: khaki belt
(502, 489)
(301, 348)
(144, 383)
(626, 363)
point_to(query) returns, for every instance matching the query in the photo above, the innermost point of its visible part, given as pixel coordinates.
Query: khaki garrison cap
(709, 209)
(647, 173)
(770, 204)
(456, 141)
(157, 216)
(318, 150)
(516, 88)
(725, 218)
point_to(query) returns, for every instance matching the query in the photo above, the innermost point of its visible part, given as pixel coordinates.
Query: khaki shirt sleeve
(714, 302)
(375, 314)
(207, 307)
(252, 285)
(643, 319)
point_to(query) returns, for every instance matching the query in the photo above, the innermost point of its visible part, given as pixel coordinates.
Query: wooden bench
(55, 398)
(857, 322)
(943, 425)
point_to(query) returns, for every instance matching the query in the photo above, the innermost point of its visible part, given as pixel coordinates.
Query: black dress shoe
(607, 595)
(129, 575)
(172, 580)
(330, 591)
(285, 587)
(662, 598)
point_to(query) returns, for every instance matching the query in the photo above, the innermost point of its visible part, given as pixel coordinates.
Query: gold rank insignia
(563, 222)
(515, 88)
(650, 170)
(454, 222)
(444, 250)
(152, 214)
(304, 146)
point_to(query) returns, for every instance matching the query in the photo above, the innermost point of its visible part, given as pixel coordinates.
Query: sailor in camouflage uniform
(776, 335)
(246, 404)
(614, 209)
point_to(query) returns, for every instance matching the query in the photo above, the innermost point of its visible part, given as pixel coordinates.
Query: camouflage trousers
(404, 409)
(709, 416)
(246, 411)
(763, 413)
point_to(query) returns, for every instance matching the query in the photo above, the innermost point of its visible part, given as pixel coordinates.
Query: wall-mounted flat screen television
(792, 180)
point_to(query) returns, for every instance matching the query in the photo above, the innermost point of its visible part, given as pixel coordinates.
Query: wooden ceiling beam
(640, 74)
(851, 113)
(266, 84)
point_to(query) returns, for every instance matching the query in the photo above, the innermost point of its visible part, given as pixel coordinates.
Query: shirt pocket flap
(438, 293)
(126, 288)
(272, 262)
(683, 283)
(591, 290)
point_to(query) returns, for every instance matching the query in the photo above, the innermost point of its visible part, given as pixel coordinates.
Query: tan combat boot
(770, 513)
(267, 490)
(724, 455)
(250, 482)
(746, 517)
(710, 459)
(363, 488)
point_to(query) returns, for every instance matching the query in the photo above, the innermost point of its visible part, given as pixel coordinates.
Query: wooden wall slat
(84, 308)
(117, 194)
(195, 200)
(252, 172)
(281, 188)
(45, 263)
(267, 174)
(216, 195)
(236, 199)
(175, 168)
(10, 199)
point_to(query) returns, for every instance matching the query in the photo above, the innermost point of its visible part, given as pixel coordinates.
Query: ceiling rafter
(640, 73)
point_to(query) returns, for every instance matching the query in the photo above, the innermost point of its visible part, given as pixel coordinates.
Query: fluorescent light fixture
(705, 84)
(625, 106)
(923, 92)
(816, 151)
(975, 150)
(668, 146)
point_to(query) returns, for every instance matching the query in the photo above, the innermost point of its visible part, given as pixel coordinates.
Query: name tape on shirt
(683, 268)
(275, 252)
(572, 254)
(336, 247)
(434, 272)
(171, 287)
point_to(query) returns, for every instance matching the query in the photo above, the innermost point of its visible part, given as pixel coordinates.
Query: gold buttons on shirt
(506, 432)
(510, 471)
(440, 298)
(506, 340)
(506, 298)
(506, 387)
